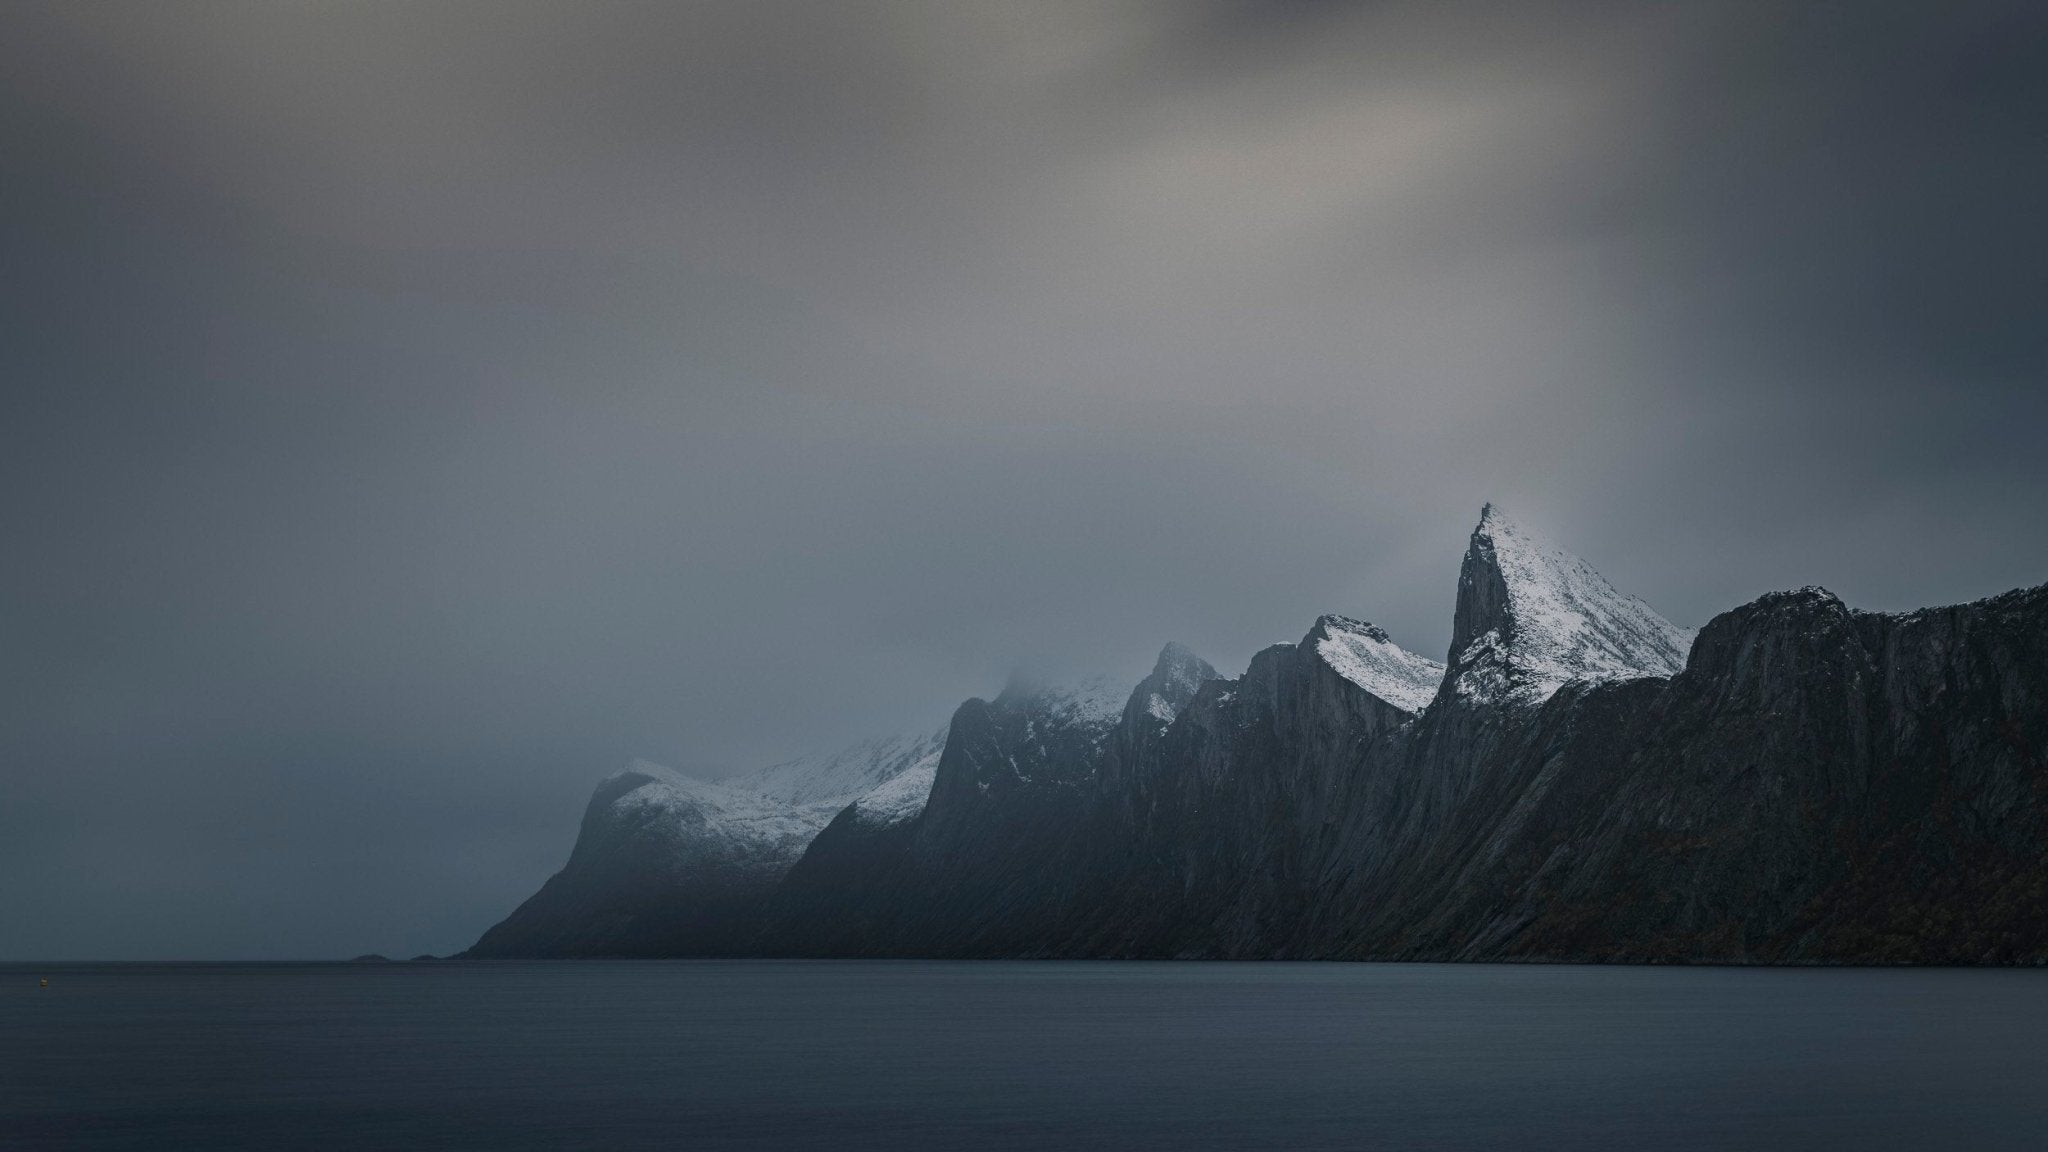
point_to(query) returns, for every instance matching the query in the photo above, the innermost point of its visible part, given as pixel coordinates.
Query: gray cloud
(411, 412)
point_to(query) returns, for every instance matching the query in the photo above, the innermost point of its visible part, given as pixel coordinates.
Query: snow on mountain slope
(1097, 701)
(1173, 682)
(1363, 654)
(899, 799)
(1532, 616)
(842, 775)
(715, 818)
(767, 817)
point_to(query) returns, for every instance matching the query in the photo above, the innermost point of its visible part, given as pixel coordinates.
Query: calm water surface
(850, 1055)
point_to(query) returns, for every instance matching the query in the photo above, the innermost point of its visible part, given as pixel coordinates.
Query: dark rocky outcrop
(1819, 785)
(1007, 851)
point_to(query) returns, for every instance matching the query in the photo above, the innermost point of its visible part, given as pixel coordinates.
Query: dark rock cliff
(1808, 784)
(1819, 785)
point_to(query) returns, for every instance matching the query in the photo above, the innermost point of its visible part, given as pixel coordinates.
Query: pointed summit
(1365, 655)
(1532, 616)
(1175, 677)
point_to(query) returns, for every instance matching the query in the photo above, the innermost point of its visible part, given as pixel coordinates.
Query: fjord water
(849, 1055)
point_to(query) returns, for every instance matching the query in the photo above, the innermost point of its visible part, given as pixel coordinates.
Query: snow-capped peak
(1532, 616)
(1176, 676)
(1363, 654)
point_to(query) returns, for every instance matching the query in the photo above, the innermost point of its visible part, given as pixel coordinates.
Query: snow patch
(1096, 701)
(769, 816)
(1363, 654)
(899, 799)
(837, 777)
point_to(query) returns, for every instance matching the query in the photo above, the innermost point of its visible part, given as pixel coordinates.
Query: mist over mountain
(410, 414)
(1580, 780)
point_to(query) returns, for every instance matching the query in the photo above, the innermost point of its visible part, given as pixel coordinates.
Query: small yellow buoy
(46, 982)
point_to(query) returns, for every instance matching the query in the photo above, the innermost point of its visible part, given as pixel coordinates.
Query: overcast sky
(410, 412)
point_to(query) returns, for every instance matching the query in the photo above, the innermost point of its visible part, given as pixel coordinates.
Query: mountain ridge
(664, 859)
(1583, 781)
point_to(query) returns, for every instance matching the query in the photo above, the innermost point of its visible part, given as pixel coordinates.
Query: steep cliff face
(1217, 831)
(1532, 617)
(1153, 706)
(1011, 847)
(1035, 746)
(1819, 785)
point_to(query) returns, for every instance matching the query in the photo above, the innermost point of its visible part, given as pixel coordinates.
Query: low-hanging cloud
(412, 412)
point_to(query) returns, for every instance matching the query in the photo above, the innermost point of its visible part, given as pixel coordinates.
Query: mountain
(1532, 617)
(1796, 782)
(1818, 785)
(1215, 845)
(667, 862)
(1002, 852)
